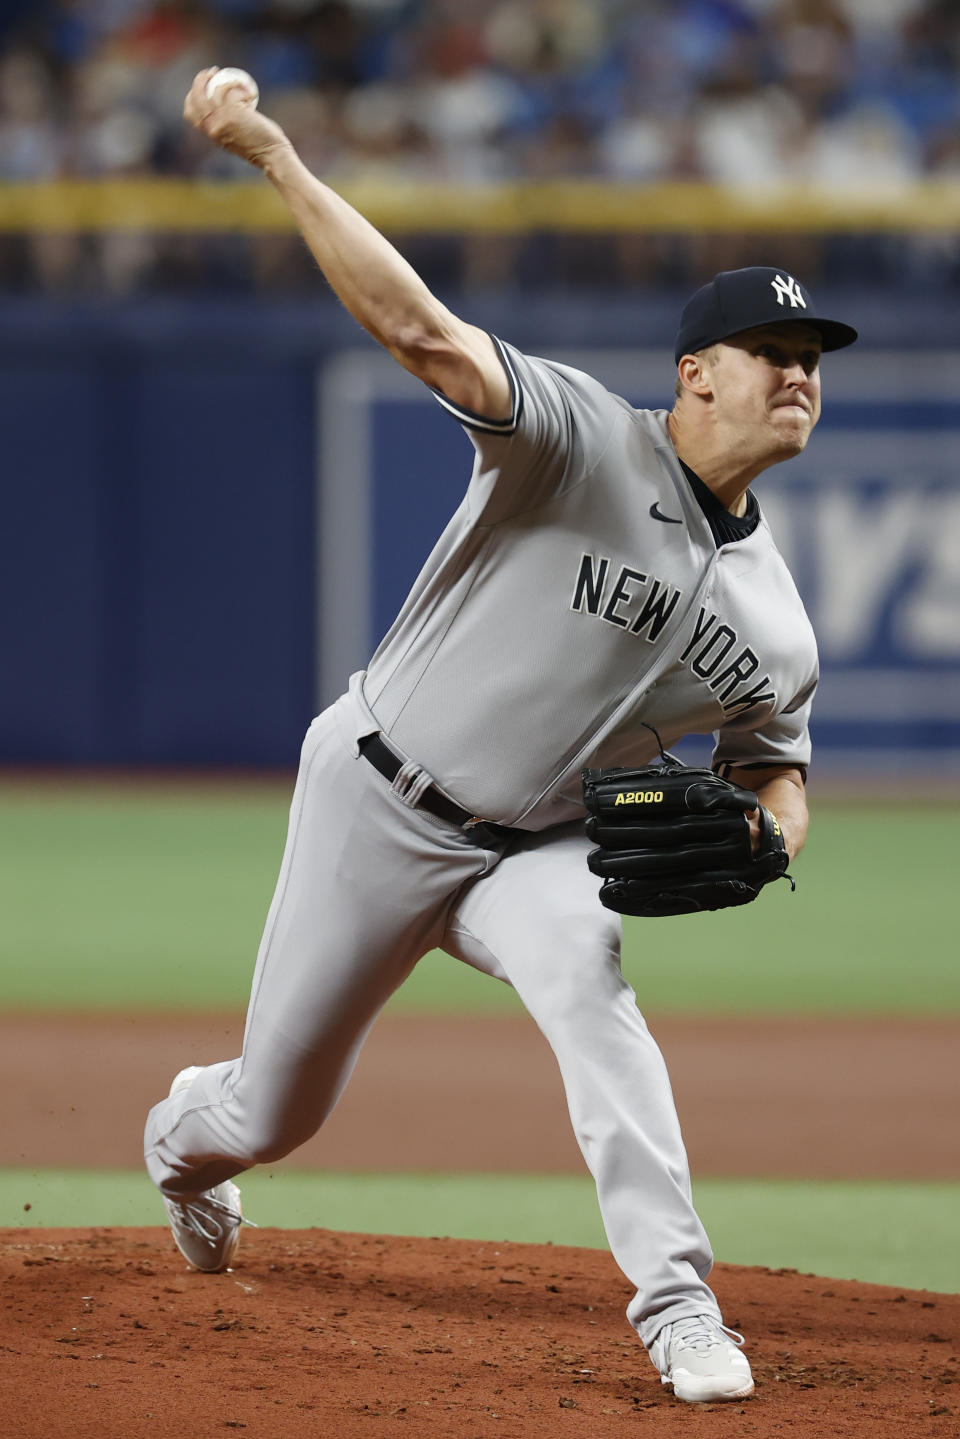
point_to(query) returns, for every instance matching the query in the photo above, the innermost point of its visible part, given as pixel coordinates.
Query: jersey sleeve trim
(472, 420)
(724, 769)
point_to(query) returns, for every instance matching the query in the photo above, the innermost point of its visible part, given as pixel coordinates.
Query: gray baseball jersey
(578, 590)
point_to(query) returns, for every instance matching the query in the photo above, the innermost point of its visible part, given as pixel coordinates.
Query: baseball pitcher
(498, 782)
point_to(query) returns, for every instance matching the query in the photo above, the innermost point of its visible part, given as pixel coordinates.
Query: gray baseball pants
(367, 886)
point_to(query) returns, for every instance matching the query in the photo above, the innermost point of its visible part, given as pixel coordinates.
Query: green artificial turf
(153, 896)
(883, 1233)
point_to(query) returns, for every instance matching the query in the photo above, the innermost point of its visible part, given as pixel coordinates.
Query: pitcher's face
(766, 385)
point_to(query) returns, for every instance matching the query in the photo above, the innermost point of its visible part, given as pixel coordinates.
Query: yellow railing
(572, 206)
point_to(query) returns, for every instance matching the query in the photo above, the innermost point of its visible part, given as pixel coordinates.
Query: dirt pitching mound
(314, 1333)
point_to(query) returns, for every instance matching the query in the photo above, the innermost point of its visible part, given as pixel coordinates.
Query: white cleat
(206, 1226)
(701, 1359)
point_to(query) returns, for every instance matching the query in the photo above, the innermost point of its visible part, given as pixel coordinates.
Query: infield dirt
(342, 1335)
(105, 1334)
(780, 1097)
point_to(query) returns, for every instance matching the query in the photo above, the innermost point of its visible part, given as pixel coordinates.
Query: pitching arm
(372, 280)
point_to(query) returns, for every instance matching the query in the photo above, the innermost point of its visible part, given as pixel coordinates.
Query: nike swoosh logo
(667, 519)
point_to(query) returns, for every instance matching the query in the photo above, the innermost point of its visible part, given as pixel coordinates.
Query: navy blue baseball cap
(737, 300)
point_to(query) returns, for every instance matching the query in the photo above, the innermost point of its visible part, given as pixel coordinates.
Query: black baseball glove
(676, 840)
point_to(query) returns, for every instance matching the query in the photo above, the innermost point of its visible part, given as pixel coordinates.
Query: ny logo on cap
(788, 289)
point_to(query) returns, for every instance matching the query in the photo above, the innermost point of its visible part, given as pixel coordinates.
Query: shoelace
(703, 1333)
(194, 1215)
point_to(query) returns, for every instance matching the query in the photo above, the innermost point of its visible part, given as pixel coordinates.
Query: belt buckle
(477, 829)
(485, 832)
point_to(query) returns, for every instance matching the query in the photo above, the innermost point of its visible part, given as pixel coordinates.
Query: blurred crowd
(840, 93)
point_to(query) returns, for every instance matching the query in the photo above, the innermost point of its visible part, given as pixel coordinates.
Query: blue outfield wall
(157, 587)
(213, 509)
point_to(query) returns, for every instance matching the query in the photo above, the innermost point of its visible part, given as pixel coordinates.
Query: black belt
(382, 757)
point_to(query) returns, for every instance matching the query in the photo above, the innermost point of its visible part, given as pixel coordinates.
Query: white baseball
(230, 75)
